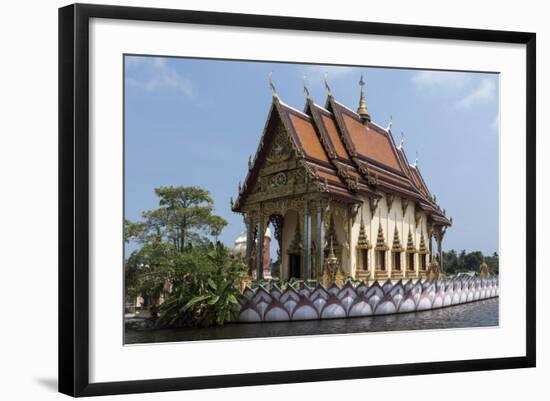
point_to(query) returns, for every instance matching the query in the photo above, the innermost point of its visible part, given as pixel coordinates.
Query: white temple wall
(396, 214)
(410, 225)
(375, 219)
(416, 231)
(353, 242)
(404, 231)
(387, 227)
(393, 219)
(390, 220)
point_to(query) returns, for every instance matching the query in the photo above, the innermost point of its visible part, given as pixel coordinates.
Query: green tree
(185, 217)
(148, 270)
(174, 250)
(463, 261)
(492, 262)
(450, 261)
(472, 260)
(460, 261)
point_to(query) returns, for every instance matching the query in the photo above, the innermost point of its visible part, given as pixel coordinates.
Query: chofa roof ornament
(402, 140)
(272, 86)
(306, 89)
(327, 86)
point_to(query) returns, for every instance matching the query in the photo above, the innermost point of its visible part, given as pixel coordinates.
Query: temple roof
(348, 155)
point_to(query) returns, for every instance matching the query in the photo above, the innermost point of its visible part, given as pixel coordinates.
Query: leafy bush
(206, 288)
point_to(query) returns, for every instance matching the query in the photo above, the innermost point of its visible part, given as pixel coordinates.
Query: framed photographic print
(251, 199)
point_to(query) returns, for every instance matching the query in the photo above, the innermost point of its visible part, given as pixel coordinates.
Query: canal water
(475, 314)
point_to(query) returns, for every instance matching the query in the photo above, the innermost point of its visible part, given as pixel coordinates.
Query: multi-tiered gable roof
(349, 155)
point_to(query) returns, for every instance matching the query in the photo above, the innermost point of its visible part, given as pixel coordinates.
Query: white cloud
(154, 74)
(440, 80)
(484, 93)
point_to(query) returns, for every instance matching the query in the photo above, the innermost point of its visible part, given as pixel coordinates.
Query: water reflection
(476, 314)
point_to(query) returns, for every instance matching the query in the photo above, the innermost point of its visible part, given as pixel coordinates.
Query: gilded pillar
(307, 242)
(260, 245)
(439, 234)
(352, 212)
(250, 227)
(440, 250)
(320, 240)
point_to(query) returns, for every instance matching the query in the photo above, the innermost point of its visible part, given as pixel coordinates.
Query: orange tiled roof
(344, 151)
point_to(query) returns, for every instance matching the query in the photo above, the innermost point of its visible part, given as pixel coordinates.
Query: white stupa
(240, 243)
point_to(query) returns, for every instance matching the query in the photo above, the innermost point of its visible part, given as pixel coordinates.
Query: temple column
(260, 245)
(439, 240)
(439, 233)
(250, 227)
(352, 257)
(307, 242)
(320, 234)
(279, 222)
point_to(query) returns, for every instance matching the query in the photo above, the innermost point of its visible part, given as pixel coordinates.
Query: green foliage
(353, 280)
(275, 268)
(175, 251)
(454, 262)
(207, 290)
(492, 262)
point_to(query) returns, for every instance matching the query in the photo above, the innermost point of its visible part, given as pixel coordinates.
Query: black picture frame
(74, 198)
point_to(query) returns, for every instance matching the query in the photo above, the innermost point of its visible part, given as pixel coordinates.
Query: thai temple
(341, 195)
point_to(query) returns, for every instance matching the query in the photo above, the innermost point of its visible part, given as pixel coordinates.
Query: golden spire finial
(416, 159)
(272, 86)
(402, 140)
(362, 110)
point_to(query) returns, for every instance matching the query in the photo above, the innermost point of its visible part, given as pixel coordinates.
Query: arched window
(411, 251)
(396, 251)
(363, 246)
(381, 260)
(380, 250)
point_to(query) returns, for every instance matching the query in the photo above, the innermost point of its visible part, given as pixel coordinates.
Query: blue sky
(195, 122)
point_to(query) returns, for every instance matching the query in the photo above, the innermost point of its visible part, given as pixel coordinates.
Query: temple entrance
(275, 260)
(295, 270)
